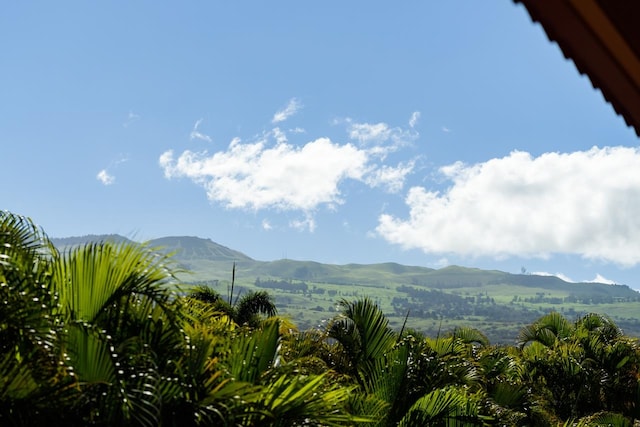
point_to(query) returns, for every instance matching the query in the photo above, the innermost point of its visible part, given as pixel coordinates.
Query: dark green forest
(110, 333)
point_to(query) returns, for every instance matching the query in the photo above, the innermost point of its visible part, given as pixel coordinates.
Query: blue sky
(425, 133)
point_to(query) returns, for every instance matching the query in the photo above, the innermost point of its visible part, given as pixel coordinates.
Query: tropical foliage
(103, 334)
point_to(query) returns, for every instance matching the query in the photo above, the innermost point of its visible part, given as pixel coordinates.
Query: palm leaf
(547, 330)
(602, 419)
(100, 280)
(388, 378)
(509, 395)
(376, 336)
(252, 352)
(295, 400)
(442, 406)
(117, 302)
(363, 332)
(369, 406)
(470, 335)
(251, 305)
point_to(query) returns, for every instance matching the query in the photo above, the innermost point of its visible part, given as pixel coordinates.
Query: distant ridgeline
(496, 302)
(69, 242)
(182, 248)
(194, 251)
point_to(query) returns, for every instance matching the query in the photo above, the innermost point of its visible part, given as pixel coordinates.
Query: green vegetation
(496, 302)
(102, 333)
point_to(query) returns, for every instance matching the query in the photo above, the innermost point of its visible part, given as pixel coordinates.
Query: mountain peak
(191, 247)
(185, 248)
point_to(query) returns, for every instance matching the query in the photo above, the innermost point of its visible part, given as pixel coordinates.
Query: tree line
(103, 334)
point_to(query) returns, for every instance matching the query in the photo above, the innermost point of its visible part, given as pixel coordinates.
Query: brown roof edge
(590, 38)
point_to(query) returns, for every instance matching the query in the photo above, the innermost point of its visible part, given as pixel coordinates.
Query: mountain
(188, 248)
(63, 243)
(204, 254)
(495, 302)
(181, 247)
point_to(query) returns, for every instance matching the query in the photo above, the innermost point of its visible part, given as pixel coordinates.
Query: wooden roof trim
(596, 52)
(602, 27)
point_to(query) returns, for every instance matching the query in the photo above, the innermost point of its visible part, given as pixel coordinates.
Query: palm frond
(470, 335)
(376, 335)
(295, 400)
(547, 330)
(253, 352)
(442, 406)
(119, 274)
(252, 304)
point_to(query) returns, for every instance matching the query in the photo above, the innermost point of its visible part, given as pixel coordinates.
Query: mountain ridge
(180, 246)
(193, 252)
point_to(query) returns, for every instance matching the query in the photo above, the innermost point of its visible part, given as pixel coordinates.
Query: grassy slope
(512, 301)
(495, 302)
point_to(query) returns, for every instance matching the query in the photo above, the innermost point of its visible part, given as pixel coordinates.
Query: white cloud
(196, 134)
(266, 225)
(601, 279)
(586, 203)
(279, 135)
(367, 132)
(413, 121)
(445, 129)
(389, 177)
(256, 176)
(560, 276)
(292, 108)
(564, 277)
(105, 178)
(379, 138)
(308, 223)
(272, 173)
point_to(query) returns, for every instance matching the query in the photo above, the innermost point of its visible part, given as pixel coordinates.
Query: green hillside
(496, 302)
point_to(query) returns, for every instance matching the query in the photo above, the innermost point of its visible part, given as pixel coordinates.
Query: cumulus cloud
(105, 178)
(585, 203)
(196, 134)
(258, 176)
(266, 225)
(272, 173)
(292, 107)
